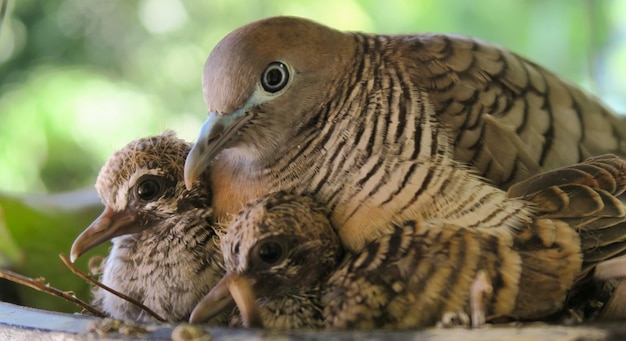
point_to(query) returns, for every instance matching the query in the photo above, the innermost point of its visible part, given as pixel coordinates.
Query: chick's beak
(232, 288)
(108, 225)
(215, 133)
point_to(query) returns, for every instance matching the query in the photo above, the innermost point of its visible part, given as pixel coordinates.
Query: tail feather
(585, 196)
(593, 256)
(606, 172)
(575, 201)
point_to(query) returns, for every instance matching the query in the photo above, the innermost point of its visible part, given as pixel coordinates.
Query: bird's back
(509, 117)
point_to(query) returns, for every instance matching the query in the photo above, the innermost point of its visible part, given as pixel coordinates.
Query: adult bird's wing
(508, 117)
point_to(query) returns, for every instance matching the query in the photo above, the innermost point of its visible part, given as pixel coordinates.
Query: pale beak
(232, 288)
(214, 135)
(107, 226)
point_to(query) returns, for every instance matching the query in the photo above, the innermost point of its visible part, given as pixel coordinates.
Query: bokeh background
(81, 78)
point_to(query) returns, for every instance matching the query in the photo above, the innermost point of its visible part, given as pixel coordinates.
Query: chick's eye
(270, 252)
(275, 77)
(148, 189)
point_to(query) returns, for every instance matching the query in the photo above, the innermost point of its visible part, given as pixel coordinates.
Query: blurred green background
(81, 78)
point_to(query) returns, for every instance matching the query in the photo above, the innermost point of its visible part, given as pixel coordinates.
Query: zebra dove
(279, 247)
(165, 253)
(384, 129)
(414, 275)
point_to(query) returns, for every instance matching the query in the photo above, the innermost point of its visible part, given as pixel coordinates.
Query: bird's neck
(234, 184)
(238, 177)
(176, 260)
(297, 310)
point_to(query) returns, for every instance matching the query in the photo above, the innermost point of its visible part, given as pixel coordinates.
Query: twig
(82, 275)
(40, 285)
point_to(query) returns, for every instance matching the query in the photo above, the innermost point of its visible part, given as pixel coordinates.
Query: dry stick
(40, 285)
(82, 275)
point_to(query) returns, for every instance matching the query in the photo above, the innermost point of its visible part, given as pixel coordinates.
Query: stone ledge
(22, 323)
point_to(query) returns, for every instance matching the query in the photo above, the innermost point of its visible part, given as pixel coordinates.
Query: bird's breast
(232, 189)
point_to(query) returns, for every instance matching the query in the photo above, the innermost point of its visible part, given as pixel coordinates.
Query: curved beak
(107, 226)
(232, 288)
(215, 133)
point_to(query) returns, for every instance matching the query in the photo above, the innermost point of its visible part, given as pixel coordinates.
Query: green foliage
(34, 231)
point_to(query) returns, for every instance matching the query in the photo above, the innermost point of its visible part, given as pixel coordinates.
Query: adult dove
(164, 254)
(280, 250)
(385, 128)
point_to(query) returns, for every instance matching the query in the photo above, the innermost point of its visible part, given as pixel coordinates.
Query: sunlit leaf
(41, 227)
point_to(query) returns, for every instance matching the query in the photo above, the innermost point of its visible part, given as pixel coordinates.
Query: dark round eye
(275, 77)
(148, 189)
(270, 252)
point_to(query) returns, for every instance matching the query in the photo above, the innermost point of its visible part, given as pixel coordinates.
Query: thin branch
(40, 285)
(84, 276)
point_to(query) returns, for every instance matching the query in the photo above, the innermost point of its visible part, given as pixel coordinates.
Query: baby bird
(278, 249)
(413, 276)
(165, 253)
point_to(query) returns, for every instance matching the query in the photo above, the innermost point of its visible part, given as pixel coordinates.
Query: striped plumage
(380, 129)
(407, 279)
(585, 197)
(420, 271)
(165, 253)
(280, 247)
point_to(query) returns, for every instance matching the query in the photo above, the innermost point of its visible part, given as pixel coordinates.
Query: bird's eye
(275, 77)
(148, 189)
(270, 252)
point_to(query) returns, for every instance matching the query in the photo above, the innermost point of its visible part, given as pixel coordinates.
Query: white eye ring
(275, 77)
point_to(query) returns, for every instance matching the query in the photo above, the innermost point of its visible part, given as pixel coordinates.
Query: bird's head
(278, 245)
(140, 185)
(263, 83)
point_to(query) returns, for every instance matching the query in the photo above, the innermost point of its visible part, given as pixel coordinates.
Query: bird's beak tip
(213, 303)
(80, 245)
(189, 182)
(190, 173)
(108, 225)
(216, 132)
(73, 256)
(196, 317)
